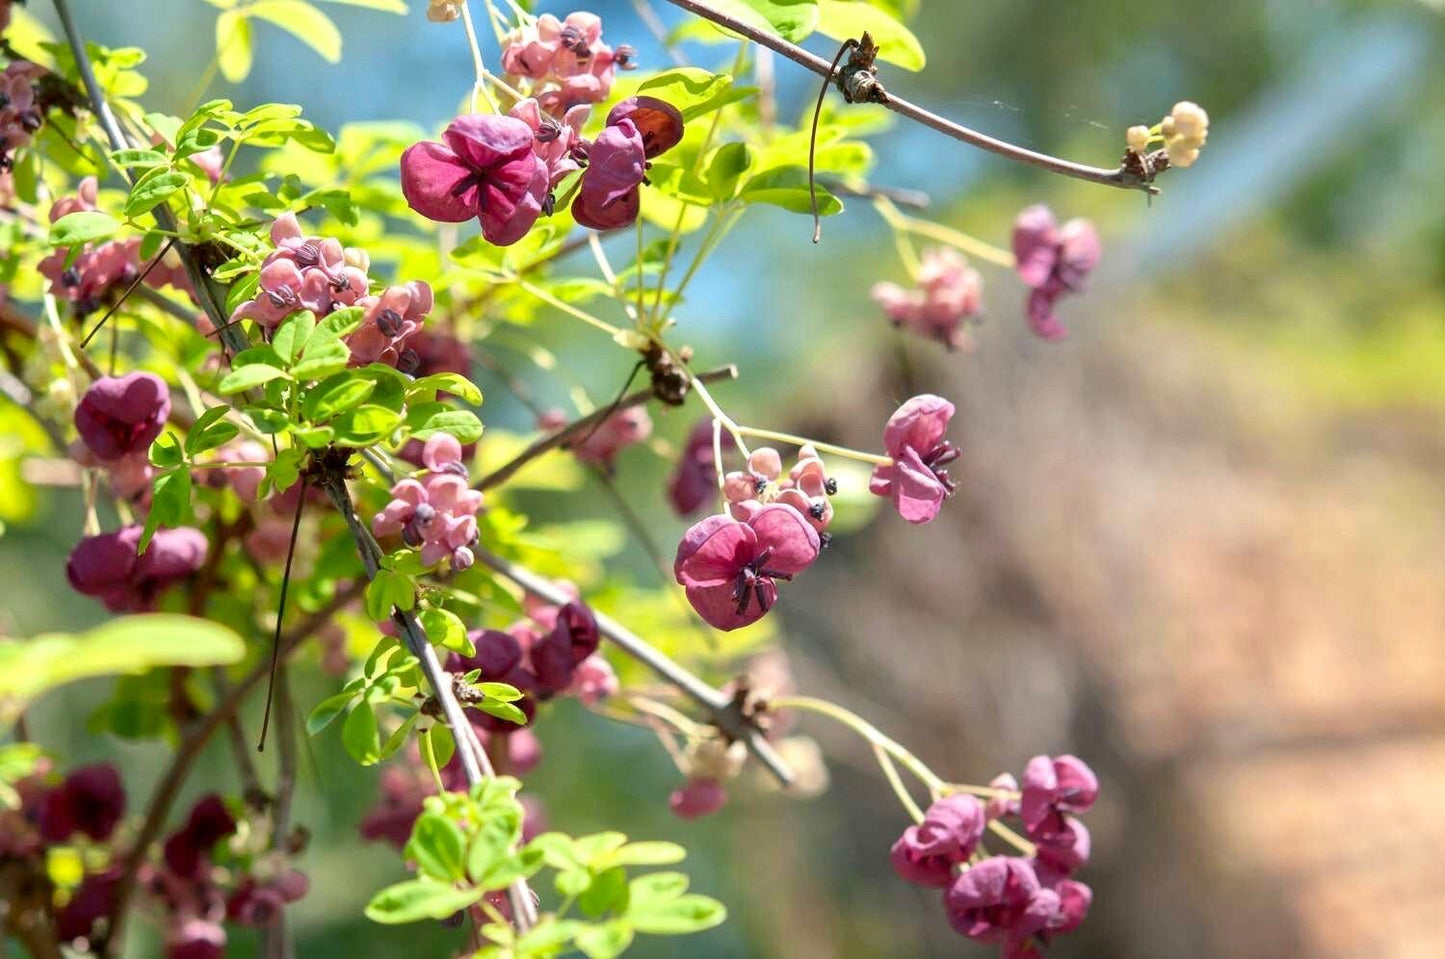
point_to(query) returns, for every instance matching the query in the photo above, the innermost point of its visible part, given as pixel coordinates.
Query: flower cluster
(20, 114)
(601, 444)
(566, 60)
(806, 488)
(437, 512)
(1052, 260)
(1018, 903)
(917, 479)
(949, 293)
(117, 419)
(501, 170)
(99, 269)
(1184, 132)
(317, 274)
(106, 566)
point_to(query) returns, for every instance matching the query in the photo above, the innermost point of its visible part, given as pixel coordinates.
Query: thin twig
(1119, 177)
(564, 435)
(281, 612)
(723, 711)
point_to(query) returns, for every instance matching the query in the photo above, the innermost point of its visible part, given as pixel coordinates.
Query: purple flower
(730, 567)
(572, 640)
(1000, 900)
(188, 849)
(916, 480)
(694, 479)
(388, 323)
(622, 429)
(1052, 260)
(1052, 787)
(121, 415)
(697, 798)
(1065, 848)
(926, 853)
(107, 567)
(259, 904)
(638, 129)
(91, 800)
(498, 657)
(486, 168)
(92, 900)
(949, 294)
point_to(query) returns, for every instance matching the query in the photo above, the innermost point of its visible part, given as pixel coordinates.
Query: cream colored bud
(357, 257)
(1190, 120)
(443, 11)
(715, 758)
(1137, 138)
(1181, 153)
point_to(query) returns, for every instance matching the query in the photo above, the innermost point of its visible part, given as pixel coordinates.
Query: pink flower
(245, 480)
(99, 268)
(107, 567)
(553, 141)
(573, 639)
(638, 129)
(566, 59)
(91, 800)
(926, 853)
(622, 429)
(916, 480)
(1052, 260)
(486, 168)
(387, 325)
(593, 680)
(1000, 900)
(694, 479)
(949, 294)
(122, 415)
(697, 798)
(195, 938)
(20, 114)
(1052, 787)
(729, 568)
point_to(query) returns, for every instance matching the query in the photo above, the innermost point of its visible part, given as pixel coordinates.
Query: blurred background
(1198, 542)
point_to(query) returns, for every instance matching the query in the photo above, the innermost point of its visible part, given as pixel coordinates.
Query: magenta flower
(694, 479)
(1074, 898)
(91, 901)
(573, 639)
(187, 850)
(20, 113)
(485, 168)
(91, 800)
(948, 296)
(303, 273)
(600, 446)
(1065, 848)
(730, 568)
(1053, 260)
(553, 140)
(99, 268)
(1000, 900)
(926, 853)
(697, 798)
(916, 480)
(388, 324)
(195, 938)
(107, 567)
(1052, 787)
(122, 415)
(437, 512)
(638, 129)
(566, 59)
(260, 904)
(593, 680)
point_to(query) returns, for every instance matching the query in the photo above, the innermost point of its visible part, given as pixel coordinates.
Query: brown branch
(580, 427)
(1119, 177)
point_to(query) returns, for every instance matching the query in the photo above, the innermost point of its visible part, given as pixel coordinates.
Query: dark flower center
(625, 56)
(389, 322)
(572, 39)
(938, 457)
(753, 580)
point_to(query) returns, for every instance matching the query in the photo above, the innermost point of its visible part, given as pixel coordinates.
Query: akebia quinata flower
(1053, 260)
(437, 512)
(917, 480)
(638, 130)
(949, 294)
(484, 168)
(927, 853)
(730, 568)
(120, 416)
(107, 567)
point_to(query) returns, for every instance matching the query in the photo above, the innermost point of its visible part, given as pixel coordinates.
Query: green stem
(868, 731)
(957, 239)
(843, 451)
(890, 772)
(567, 308)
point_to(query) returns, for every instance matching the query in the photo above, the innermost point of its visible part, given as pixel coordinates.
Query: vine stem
(1119, 177)
(843, 451)
(961, 241)
(724, 711)
(480, 84)
(567, 308)
(868, 731)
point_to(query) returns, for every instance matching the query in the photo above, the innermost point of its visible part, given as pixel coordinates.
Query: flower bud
(1137, 138)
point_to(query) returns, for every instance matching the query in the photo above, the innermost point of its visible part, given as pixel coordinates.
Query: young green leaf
(437, 846)
(360, 736)
(304, 22)
(233, 45)
(676, 917)
(83, 226)
(849, 19)
(153, 189)
(419, 899)
(608, 892)
(327, 710)
(604, 940)
(239, 380)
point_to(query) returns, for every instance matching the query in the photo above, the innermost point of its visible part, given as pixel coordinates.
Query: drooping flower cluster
(730, 567)
(949, 293)
(1184, 132)
(566, 60)
(1014, 902)
(317, 274)
(437, 512)
(501, 170)
(120, 416)
(1052, 260)
(99, 269)
(107, 567)
(805, 489)
(917, 480)
(600, 445)
(20, 113)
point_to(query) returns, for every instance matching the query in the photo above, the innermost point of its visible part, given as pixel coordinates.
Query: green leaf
(366, 424)
(248, 376)
(656, 888)
(442, 743)
(850, 19)
(233, 45)
(83, 226)
(292, 334)
(209, 432)
(153, 189)
(726, 168)
(692, 90)
(787, 187)
(137, 158)
(170, 503)
(653, 853)
(165, 452)
(437, 846)
(450, 383)
(122, 646)
(791, 19)
(399, 736)
(503, 711)
(327, 710)
(607, 893)
(322, 359)
(304, 22)
(388, 589)
(445, 629)
(419, 899)
(605, 940)
(502, 692)
(334, 395)
(676, 917)
(462, 424)
(492, 844)
(360, 736)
